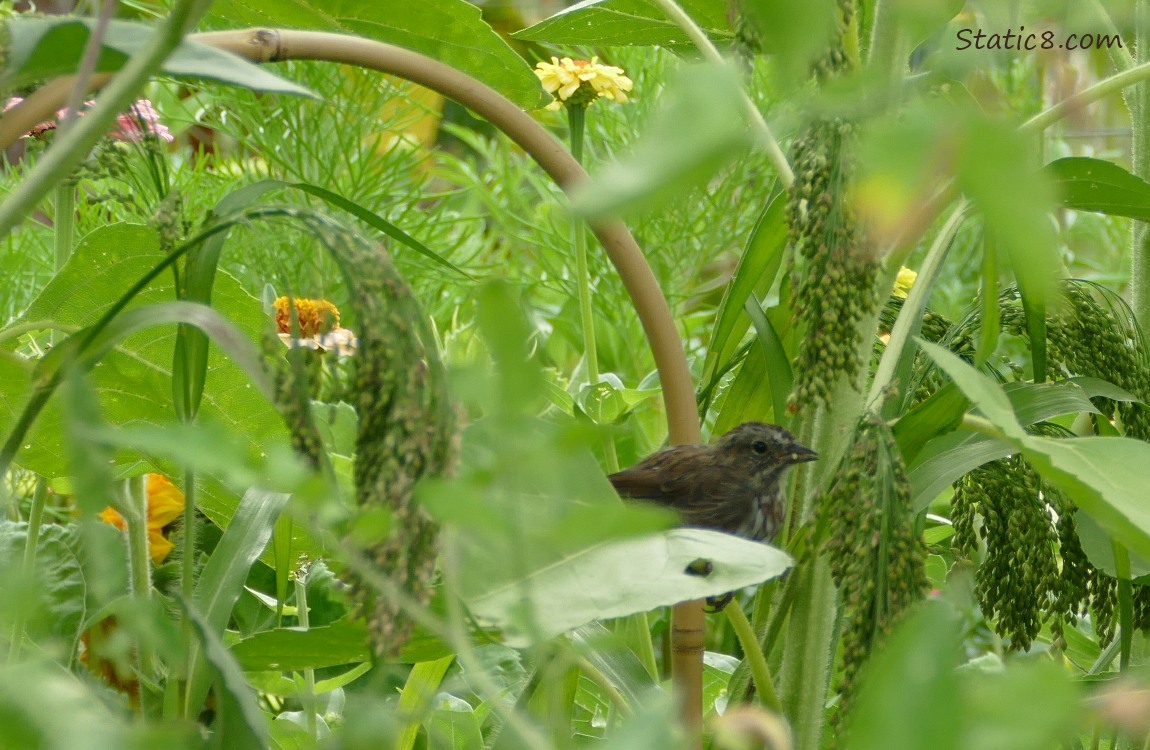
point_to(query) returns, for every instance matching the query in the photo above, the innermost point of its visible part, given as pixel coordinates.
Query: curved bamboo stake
(273, 45)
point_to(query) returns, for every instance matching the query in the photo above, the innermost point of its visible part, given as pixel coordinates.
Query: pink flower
(139, 121)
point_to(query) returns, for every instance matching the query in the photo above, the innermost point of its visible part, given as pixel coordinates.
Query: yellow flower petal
(165, 501)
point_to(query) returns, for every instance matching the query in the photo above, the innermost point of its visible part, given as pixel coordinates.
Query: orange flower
(316, 316)
(165, 505)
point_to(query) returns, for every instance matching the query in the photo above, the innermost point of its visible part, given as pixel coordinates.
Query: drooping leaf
(1087, 184)
(589, 585)
(49, 46)
(1104, 476)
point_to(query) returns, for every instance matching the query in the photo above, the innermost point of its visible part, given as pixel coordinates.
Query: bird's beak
(800, 454)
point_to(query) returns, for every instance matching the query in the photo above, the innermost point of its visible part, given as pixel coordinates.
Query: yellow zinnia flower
(577, 83)
(316, 316)
(165, 505)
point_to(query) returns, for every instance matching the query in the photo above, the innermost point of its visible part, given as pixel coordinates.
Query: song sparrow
(734, 485)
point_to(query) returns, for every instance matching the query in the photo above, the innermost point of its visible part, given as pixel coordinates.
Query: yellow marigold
(578, 82)
(165, 505)
(903, 282)
(316, 316)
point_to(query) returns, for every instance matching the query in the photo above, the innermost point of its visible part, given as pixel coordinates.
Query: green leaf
(376, 221)
(450, 31)
(701, 125)
(239, 722)
(53, 601)
(585, 585)
(1038, 402)
(946, 459)
(222, 578)
(939, 414)
(794, 33)
(453, 725)
(910, 698)
(46, 47)
(626, 22)
(1028, 706)
(1086, 184)
(986, 395)
(1099, 548)
(134, 380)
(297, 649)
(757, 269)
(1104, 476)
(781, 378)
(418, 692)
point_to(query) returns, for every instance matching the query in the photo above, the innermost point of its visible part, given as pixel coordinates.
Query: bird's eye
(759, 447)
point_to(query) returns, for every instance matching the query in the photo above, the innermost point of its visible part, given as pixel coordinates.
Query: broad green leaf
(1104, 476)
(1038, 402)
(1099, 548)
(53, 600)
(626, 22)
(451, 31)
(417, 695)
(701, 125)
(796, 34)
(453, 725)
(757, 268)
(910, 698)
(1087, 184)
(946, 459)
(47, 706)
(222, 578)
(297, 649)
(607, 652)
(50, 46)
(587, 585)
(1027, 706)
(936, 463)
(134, 380)
(937, 415)
(986, 395)
(239, 723)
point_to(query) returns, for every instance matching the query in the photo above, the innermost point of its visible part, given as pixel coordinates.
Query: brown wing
(678, 478)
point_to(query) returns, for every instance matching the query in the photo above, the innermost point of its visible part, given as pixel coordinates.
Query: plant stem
(1100, 90)
(308, 674)
(576, 116)
(754, 116)
(1138, 100)
(188, 561)
(35, 520)
(135, 502)
(760, 672)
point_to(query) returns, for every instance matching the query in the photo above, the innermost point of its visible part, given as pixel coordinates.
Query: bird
(735, 485)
